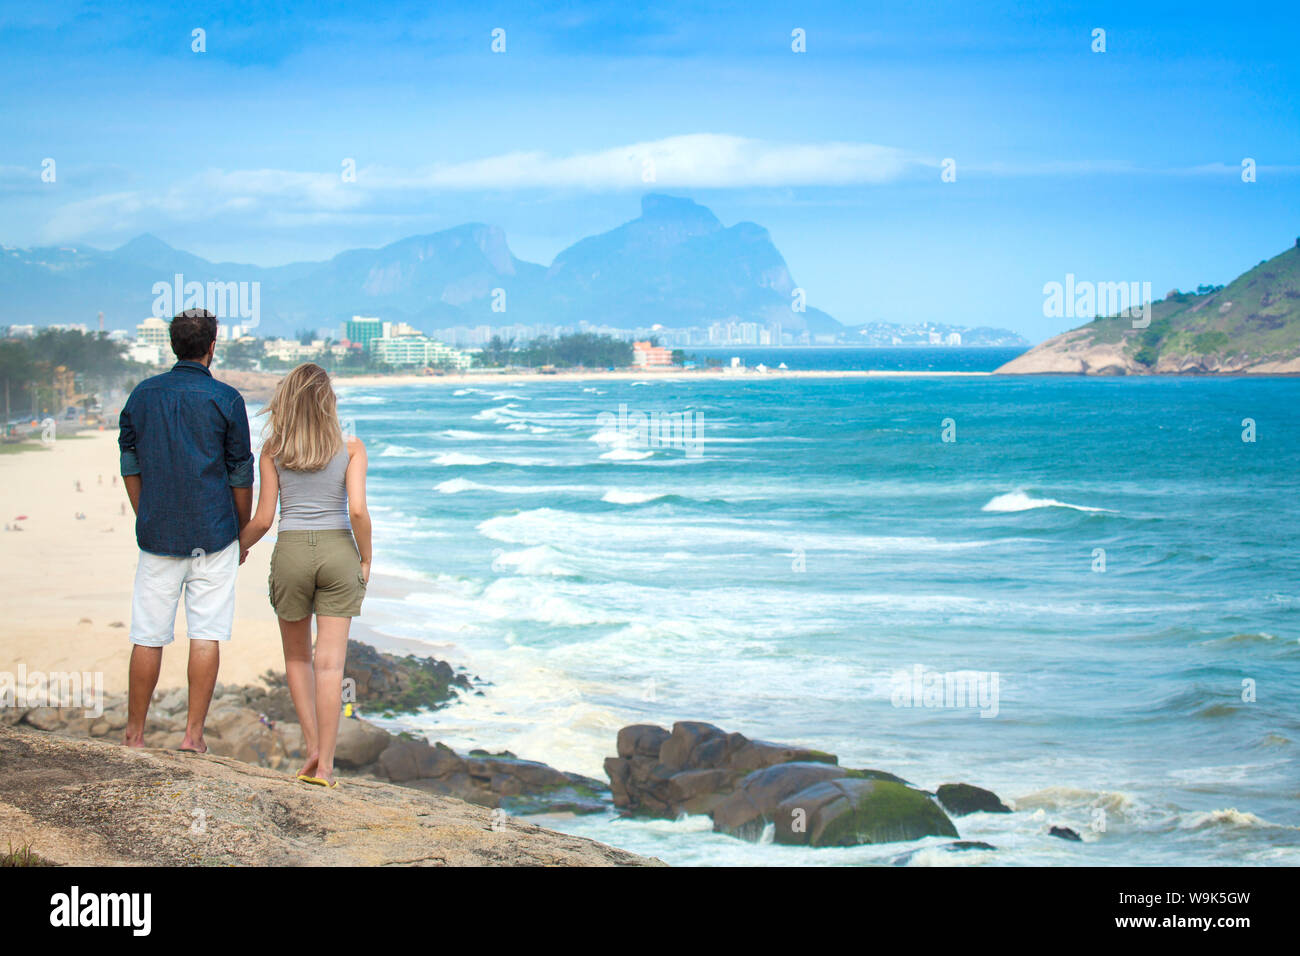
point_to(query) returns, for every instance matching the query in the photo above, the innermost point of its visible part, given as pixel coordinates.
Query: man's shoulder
(228, 392)
(150, 384)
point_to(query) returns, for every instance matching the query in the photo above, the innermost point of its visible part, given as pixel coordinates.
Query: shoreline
(638, 375)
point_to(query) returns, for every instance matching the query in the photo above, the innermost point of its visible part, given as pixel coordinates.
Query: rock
(172, 702)
(617, 769)
(959, 799)
(360, 743)
(1065, 833)
(641, 740)
(85, 802)
(757, 798)
(386, 683)
(849, 812)
(757, 754)
(44, 718)
(687, 736)
(701, 791)
(246, 738)
(400, 761)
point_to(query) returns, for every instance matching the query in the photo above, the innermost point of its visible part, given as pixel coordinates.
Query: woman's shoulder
(354, 446)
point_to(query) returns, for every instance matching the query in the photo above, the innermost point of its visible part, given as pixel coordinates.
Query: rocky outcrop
(1075, 353)
(491, 780)
(385, 683)
(748, 785)
(238, 729)
(959, 799)
(691, 769)
(91, 803)
(1079, 353)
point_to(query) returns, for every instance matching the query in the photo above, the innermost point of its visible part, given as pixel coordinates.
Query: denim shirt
(186, 435)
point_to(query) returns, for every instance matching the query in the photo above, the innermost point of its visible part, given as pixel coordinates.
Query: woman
(317, 565)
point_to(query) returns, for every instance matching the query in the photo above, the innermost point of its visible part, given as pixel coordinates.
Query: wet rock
(641, 740)
(849, 812)
(1065, 833)
(959, 799)
(757, 798)
(387, 683)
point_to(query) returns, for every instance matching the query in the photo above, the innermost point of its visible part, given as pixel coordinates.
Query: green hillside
(1253, 319)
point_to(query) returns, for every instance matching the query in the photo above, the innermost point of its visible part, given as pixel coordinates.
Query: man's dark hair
(193, 332)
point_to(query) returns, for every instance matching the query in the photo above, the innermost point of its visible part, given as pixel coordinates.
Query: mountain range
(1249, 326)
(676, 265)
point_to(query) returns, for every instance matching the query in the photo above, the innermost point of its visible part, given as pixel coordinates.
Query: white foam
(626, 454)
(399, 451)
(539, 560)
(459, 458)
(1019, 501)
(616, 497)
(461, 435)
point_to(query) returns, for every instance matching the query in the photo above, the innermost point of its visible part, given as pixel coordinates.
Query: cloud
(703, 160)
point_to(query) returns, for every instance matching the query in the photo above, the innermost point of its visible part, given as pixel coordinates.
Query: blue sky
(1115, 166)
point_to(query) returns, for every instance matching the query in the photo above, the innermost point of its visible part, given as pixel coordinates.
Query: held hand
(365, 571)
(243, 555)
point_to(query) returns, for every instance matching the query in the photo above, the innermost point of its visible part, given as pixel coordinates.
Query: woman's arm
(357, 510)
(267, 495)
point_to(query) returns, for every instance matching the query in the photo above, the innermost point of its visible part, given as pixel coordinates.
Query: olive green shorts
(316, 572)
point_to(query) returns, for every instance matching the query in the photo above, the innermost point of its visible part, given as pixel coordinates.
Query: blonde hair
(302, 432)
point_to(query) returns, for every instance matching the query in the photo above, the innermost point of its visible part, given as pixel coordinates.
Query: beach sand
(68, 581)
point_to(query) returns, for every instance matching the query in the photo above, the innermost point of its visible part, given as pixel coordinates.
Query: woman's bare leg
(331, 654)
(296, 637)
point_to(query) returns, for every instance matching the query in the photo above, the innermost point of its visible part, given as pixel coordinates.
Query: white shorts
(208, 582)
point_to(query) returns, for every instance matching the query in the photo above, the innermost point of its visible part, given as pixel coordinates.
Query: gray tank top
(315, 500)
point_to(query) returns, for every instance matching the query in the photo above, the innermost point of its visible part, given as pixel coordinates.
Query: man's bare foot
(133, 740)
(309, 768)
(194, 744)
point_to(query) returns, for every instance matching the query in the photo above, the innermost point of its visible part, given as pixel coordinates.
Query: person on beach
(321, 561)
(187, 466)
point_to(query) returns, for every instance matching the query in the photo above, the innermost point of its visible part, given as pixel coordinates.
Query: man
(187, 466)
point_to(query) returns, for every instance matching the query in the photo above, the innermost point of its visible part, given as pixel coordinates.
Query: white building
(291, 350)
(146, 353)
(154, 331)
(954, 338)
(417, 350)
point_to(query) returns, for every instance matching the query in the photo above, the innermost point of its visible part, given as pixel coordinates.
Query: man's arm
(243, 504)
(130, 462)
(133, 485)
(239, 465)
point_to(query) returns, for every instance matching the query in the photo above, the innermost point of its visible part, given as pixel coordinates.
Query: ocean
(1107, 560)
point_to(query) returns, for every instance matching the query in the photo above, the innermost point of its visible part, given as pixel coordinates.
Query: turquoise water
(776, 579)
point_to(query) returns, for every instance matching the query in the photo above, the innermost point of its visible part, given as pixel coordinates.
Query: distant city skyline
(1122, 165)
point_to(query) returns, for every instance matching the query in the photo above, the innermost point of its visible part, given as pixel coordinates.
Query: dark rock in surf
(959, 799)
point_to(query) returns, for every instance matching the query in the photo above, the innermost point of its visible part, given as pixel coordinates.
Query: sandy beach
(68, 581)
